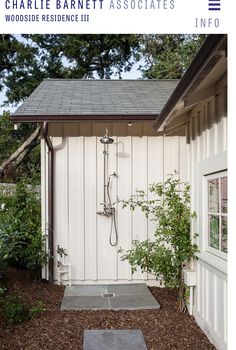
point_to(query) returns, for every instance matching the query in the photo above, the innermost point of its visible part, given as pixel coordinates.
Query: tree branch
(17, 157)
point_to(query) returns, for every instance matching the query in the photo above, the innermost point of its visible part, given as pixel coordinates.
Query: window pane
(224, 233)
(214, 231)
(224, 195)
(213, 196)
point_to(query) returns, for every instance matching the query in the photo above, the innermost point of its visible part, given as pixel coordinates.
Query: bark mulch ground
(163, 329)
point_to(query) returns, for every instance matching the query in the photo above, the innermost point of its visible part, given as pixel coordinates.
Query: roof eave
(203, 61)
(83, 118)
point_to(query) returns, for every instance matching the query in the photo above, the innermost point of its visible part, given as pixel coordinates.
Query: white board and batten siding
(137, 161)
(207, 152)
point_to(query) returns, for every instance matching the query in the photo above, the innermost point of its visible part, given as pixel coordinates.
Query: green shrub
(166, 256)
(14, 310)
(21, 241)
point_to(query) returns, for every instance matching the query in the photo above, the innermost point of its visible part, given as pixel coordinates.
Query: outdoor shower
(108, 209)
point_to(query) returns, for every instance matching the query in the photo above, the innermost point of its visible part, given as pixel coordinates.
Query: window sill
(213, 260)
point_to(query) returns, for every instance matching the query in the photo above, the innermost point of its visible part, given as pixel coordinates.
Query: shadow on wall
(121, 153)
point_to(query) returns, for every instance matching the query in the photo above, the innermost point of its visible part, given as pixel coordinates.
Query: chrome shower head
(106, 139)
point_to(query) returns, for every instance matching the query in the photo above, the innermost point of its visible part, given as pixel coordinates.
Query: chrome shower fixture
(108, 208)
(106, 140)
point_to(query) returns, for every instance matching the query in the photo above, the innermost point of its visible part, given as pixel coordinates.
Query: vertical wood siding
(137, 161)
(208, 138)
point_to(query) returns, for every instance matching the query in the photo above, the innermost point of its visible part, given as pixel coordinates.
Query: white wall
(207, 150)
(138, 161)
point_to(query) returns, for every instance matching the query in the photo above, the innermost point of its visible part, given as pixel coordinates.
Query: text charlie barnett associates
(88, 4)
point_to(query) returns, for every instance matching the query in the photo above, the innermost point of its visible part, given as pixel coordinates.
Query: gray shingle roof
(67, 97)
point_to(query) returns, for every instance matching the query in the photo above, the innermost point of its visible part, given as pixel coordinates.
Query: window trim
(207, 166)
(208, 248)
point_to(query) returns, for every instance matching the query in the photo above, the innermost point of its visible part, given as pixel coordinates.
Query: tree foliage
(168, 56)
(20, 71)
(172, 248)
(81, 56)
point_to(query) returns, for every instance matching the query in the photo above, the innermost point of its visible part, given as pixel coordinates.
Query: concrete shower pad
(114, 340)
(130, 296)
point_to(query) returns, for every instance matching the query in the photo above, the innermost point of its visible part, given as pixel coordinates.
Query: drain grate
(108, 295)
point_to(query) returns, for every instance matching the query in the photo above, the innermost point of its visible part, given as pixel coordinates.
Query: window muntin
(217, 213)
(224, 194)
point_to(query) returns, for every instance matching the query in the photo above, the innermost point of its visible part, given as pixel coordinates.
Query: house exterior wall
(138, 161)
(207, 152)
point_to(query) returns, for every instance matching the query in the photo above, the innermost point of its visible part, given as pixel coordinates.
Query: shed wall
(138, 161)
(207, 151)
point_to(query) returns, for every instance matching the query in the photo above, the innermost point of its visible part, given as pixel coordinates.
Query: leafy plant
(21, 241)
(14, 309)
(166, 256)
(37, 309)
(62, 253)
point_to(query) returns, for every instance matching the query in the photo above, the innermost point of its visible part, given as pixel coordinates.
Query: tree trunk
(17, 157)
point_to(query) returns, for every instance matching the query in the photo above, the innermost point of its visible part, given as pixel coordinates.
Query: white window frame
(210, 249)
(208, 166)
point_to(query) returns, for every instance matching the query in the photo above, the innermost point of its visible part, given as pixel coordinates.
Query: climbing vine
(167, 254)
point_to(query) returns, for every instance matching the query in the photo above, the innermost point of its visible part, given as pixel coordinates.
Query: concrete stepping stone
(114, 340)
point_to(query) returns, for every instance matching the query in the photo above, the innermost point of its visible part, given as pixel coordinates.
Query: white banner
(113, 16)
